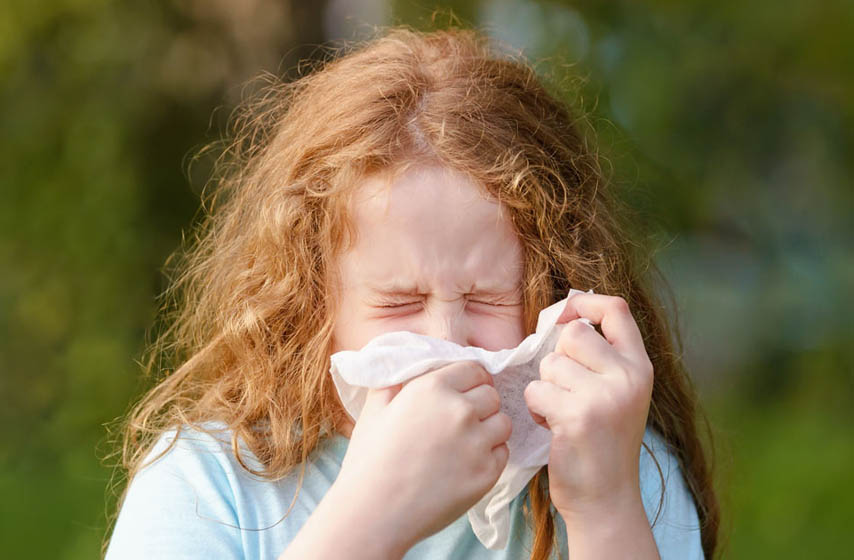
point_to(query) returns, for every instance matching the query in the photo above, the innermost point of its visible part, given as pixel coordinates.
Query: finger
(501, 454)
(462, 376)
(539, 419)
(547, 400)
(586, 346)
(496, 429)
(485, 399)
(563, 371)
(613, 316)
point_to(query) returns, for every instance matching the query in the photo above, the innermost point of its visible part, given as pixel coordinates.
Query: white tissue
(396, 357)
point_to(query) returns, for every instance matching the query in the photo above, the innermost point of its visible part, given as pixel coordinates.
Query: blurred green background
(730, 124)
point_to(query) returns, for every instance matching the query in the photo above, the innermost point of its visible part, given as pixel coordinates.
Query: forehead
(412, 192)
(432, 223)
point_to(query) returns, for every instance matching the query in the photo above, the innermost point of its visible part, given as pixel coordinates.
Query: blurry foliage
(729, 124)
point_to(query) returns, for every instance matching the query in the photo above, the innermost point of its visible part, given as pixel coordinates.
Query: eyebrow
(395, 290)
(410, 290)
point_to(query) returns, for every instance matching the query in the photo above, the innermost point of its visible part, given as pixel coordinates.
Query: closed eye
(494, 305)
(396, 310)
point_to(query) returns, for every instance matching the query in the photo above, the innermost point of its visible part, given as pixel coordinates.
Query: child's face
(433, 257)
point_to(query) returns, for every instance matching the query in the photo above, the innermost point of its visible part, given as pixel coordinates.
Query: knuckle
(647, 369)
(494, 399)
(571, 336)
(453, 368)
(430, 382)
(455, 410)
(619, 304)
(547, 360)
(530, 392)
(506, 425)
(445, 371)
(464, 412)
(547, 365)
(577, 327)
(483, 376)
(474, 366)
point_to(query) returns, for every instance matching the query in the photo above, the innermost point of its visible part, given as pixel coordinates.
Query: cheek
(496, 332)
(352, 334)
(349, 330)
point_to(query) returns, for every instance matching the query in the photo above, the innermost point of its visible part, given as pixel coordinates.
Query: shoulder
(202, 461)
(181, 502)
(195, 450)
(193, 499)
(667, 500)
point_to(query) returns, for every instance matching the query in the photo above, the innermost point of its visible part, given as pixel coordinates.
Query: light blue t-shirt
(198, 502)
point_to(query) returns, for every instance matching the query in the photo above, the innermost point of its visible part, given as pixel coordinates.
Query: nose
(447, 321)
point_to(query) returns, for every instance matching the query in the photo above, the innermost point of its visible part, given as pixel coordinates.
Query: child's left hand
(594, 395)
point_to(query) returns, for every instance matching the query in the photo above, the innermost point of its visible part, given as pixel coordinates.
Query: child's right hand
(421, 455)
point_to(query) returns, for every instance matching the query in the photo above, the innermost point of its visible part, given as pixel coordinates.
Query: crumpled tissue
(396, 357)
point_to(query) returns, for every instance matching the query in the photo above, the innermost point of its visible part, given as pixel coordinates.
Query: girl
(419, 183)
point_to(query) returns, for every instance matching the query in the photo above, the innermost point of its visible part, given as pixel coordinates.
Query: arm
(594, 395)
(617, 530)
(338, 528)
(669, 506)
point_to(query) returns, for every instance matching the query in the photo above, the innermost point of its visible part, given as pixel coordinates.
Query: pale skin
(436, 257)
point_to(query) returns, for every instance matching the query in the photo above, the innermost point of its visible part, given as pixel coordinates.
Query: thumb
(545, 401)
(379, 398)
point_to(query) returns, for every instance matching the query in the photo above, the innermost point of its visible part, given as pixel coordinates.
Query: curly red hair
(249, 319)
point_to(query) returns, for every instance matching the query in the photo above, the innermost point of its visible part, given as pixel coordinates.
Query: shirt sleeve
(179, 506)
(668, 503)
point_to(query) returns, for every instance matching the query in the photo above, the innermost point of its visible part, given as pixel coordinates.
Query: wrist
(617, 527)
(617, 499)
(369, 527)
(604, 516)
